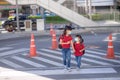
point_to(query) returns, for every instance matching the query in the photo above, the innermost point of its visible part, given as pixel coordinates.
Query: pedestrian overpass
(60, 10)
(61, 1)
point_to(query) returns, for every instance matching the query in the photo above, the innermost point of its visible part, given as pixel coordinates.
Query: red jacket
(78, 47)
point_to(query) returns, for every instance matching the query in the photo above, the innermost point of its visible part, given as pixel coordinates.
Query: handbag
(59, 46)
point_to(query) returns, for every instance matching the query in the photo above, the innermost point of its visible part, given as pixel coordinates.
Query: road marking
(13, 52)
(5, 48)
(27, 61)
(83, 58)
(105, 51)
(112, 78)
(97, 57)
(82, 71)
(56, 52)
(112, 60)
(14, 44)
(60, 58)
(11, 64)
(49, 61)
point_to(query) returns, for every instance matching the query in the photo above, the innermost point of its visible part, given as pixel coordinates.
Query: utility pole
(74, 5)
(90, 9)
(115, 6)
(17, 16)
(86, 7)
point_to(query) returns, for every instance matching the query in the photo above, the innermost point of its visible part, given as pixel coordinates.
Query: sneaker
(69, 69)
(65, 67)
(77, 68)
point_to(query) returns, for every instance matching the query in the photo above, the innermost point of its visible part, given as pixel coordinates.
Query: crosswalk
(49, 62)
(47, 58)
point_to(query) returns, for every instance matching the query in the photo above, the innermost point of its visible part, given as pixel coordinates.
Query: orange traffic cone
(110, 51)
(32, 47)
(54, 41)
(51, 29)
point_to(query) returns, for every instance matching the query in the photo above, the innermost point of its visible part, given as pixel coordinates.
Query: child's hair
(80, 38)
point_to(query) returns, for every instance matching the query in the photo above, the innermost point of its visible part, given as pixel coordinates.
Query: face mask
(76, 39)
(69, 32)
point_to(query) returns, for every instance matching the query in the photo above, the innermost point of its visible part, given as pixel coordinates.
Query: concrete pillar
(86, 6)
(111, 9)
(90, 9)
(94, 9)
(34, 12)
(42, 12)
(40, 24)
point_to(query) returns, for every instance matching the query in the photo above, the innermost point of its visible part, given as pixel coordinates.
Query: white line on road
(11, 64)
(27, 61)
(112, 60)
(56, 52)
(82, 71)
(49, 61)
(13, 52)
(5, 48)
(111, 78)
(83, 58)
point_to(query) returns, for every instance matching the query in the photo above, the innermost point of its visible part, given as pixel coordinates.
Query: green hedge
(50, 19)
(97, 17)
(55, 19)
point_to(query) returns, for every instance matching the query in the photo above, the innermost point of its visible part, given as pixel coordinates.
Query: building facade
(80, 6)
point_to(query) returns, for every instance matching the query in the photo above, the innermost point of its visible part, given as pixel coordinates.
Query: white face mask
(69, 32)
(76, 39)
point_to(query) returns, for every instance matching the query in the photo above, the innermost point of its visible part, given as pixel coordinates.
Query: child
(79, 50)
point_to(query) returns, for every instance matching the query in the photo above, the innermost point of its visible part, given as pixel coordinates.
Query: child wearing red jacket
(79, 50)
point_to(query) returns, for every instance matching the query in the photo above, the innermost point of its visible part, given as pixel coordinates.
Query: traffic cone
(32, 47)
(51, 29)
(110, 50)
(54, 41)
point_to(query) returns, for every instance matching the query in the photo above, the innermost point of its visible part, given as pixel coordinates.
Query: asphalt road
(48, 63)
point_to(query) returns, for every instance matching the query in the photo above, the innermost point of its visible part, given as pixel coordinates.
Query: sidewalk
(11, 35)
(9, 74)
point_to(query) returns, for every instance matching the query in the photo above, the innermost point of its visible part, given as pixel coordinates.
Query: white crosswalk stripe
(11, 64)
(60, 58)
(112, 60)
(5, 48)
(84, 59)
(82, 71)
(47, 60)
(112, 78)
(28, 61)
(12, 52)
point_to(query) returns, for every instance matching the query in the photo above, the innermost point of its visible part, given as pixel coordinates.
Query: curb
(12, 35)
